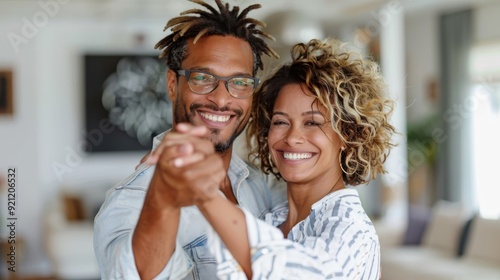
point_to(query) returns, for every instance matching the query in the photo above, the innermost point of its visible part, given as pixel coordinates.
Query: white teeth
(215, 118)
(297, 156)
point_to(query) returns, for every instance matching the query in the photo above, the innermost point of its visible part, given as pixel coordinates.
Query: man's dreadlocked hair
(223, 22)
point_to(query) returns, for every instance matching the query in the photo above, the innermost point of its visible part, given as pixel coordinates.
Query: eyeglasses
(201, 82)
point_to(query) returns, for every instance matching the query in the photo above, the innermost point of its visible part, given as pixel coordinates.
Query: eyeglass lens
(204, 83)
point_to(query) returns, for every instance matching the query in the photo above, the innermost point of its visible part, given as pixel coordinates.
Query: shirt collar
(332, 196)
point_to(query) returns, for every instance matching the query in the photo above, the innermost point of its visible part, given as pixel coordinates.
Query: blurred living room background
(82, 92)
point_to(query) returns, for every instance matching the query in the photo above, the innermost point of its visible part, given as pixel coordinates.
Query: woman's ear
(171, 84)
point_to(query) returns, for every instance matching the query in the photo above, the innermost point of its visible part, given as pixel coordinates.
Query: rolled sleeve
(113, 230)
(113, 235)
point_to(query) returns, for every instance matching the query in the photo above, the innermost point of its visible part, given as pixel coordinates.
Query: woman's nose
(294, 136)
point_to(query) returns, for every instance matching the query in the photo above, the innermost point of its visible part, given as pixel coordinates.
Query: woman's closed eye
(279, 122)
(313, 123)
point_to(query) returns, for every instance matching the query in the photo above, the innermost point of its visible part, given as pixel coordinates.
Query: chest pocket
(205, 264)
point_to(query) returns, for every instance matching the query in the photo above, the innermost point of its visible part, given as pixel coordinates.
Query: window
(486, 148)
(485, 130)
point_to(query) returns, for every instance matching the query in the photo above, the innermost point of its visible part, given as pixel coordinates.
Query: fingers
(192, 130)
(180, 154)
(187, 160)
(187, 167)
(205, 168)
(198, 181)
(173, 149)
(205, 176)
(143, 159)
(169, 140)
(187, 138)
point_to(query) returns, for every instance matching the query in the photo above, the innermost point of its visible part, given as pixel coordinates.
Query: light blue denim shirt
(117, 218)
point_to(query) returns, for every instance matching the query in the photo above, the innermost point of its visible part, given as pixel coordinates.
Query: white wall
(422, 53)
(422, 63)
(19, 136)
(48, 121)
(487, 22)
(48, 116)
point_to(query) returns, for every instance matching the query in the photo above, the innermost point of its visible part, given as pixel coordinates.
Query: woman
(321, 124)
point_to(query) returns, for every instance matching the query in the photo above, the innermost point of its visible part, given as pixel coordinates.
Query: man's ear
(171, 84)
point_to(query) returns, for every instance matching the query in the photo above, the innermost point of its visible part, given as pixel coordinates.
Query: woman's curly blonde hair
(355, 95)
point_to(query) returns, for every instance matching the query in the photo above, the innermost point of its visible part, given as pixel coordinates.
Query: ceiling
(327, 10)
(289, 20)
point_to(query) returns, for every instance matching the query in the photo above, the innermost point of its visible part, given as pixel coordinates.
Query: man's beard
(181, 115)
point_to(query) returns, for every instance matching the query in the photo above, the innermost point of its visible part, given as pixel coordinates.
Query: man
(147, 227)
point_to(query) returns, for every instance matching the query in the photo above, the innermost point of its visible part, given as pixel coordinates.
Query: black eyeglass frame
(187, 74)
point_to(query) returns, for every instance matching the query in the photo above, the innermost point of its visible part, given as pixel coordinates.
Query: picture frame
(6, 93)
(115, 87)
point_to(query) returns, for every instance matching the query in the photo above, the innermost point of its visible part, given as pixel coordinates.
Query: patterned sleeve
(321, 257)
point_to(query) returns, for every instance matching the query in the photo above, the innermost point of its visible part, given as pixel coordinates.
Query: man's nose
(220, 95)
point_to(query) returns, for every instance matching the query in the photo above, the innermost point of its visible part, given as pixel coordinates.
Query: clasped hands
(188, 171)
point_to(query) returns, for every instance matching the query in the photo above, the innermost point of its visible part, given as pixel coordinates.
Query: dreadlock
(223, 22)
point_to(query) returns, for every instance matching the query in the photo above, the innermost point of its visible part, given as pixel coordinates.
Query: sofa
(455, 245)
